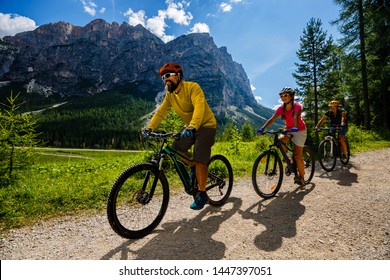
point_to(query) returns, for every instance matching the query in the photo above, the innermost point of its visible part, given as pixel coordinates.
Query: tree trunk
(11, 161)
(367, 113)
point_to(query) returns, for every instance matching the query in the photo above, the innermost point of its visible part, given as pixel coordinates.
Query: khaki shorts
(299, 138)
(204, 139)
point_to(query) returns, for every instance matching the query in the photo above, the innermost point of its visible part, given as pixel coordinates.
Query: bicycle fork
(330, 139)
(143, 196)
(270, 172)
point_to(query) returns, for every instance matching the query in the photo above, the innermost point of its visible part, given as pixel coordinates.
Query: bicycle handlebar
(284, 131)
(338, 128)
(161, 135)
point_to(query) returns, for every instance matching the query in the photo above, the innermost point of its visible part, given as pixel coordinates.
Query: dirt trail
(344, 214)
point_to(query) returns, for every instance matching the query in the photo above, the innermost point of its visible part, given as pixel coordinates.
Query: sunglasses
(283, 95)
(167, 75)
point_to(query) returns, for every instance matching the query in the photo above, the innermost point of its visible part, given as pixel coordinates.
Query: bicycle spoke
(220, 180)
(267, 174)
(132, 211)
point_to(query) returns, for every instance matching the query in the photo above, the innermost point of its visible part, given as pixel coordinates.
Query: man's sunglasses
(283, 95)
(167, 75)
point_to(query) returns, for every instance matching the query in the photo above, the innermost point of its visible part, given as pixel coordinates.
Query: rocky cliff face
(72, 60)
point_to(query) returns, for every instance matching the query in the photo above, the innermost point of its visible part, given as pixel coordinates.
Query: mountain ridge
(68, 60)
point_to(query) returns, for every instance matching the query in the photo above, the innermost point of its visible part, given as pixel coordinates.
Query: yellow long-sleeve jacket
(189, 102)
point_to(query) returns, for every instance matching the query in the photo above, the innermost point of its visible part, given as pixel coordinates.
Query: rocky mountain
(68, 60)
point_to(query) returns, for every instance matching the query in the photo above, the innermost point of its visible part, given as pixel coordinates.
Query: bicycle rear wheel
(327, 155)
(309, 162)
(133, 208)
(220, 180)
(267, 174)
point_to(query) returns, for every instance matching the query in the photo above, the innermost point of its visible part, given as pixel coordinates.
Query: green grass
(62, 182)
(71, 181)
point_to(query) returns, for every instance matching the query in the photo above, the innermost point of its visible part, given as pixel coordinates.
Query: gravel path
(344, 214)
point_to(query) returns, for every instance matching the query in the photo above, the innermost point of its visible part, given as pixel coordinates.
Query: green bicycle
(139, 196)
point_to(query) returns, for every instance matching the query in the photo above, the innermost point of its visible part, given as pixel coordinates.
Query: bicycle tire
(267, 178)
(327, 155)
(130, 212)
(220, 180)
(309, 162)
(348, 155)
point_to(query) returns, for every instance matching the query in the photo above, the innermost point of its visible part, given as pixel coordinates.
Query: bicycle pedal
(287, 171)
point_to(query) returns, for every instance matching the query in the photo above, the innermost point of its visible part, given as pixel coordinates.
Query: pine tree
(17, 137)
(352, 24)
(378, 47)
(314, 52)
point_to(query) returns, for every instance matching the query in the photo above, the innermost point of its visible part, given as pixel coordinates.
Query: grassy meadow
(66, 181)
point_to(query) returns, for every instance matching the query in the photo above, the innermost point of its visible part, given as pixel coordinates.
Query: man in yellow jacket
(189, 102)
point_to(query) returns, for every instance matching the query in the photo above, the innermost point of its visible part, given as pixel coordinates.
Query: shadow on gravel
(341, 173)
(278, 215)
(187, 239)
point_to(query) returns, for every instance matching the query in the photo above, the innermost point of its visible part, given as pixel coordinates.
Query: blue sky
(262, 35)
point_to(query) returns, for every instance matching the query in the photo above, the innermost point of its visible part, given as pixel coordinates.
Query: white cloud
(176, 12)
(157, 24)
(13, 23)
(258, 98)
(89, 7)
(225, 7)
(102, 10)
(253, 88)
(228, 7)
(135, 18)
(200, 28)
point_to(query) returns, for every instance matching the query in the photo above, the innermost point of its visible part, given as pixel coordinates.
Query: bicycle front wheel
(327, 155)
(137, 201)
(267, 174)
(309, 162)
(220, 180)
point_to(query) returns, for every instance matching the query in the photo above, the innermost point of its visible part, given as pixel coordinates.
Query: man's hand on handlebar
(188, 132)
(146, 132)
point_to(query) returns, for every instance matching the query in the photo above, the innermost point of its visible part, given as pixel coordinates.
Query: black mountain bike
(330, 149)
(139, 197)
(267, 171)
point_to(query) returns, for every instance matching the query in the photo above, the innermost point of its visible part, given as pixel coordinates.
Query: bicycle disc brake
(142, 197)
(271, 174)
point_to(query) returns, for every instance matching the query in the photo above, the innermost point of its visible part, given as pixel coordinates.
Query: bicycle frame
(279, 146)
(179, 165)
